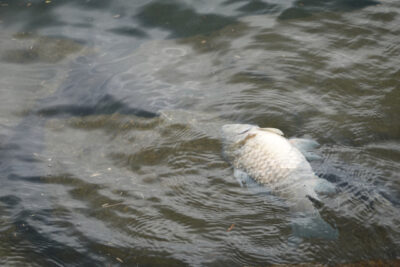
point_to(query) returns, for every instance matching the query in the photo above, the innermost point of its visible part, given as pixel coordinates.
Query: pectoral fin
(303, 144)
(242, 177)
(246, 181)
(306, 146)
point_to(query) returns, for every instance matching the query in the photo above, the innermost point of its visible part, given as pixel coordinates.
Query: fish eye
(245, 131)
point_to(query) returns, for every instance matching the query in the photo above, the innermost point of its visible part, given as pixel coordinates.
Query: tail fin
(313, 226)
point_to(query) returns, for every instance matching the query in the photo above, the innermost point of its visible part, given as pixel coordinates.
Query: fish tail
(313, 226)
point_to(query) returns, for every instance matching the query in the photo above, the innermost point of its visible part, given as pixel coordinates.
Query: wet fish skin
(266, 156)
(269, 158)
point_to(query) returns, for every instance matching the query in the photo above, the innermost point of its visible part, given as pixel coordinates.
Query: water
(109, 144)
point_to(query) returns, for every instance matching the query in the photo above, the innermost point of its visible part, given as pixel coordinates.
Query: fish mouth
(236, 129)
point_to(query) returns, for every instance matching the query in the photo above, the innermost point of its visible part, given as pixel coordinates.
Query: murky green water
(110, 152)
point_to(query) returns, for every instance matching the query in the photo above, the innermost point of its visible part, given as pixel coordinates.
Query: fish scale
(268, 167)
(271, 160)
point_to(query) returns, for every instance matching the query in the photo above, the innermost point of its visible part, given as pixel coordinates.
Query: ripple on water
(105, 184)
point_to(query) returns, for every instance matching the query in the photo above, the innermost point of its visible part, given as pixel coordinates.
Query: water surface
(110, 152)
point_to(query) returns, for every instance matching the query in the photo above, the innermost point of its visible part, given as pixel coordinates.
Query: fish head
(237, 136)
(233, 137)
(233, 133)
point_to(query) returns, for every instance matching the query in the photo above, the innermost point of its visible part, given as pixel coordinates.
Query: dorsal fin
(272, 130)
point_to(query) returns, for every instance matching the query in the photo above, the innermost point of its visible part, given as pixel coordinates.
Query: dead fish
(265, 156)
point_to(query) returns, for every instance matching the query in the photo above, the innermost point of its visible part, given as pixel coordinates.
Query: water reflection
(109, 138)
(170, 16)
(256, 7)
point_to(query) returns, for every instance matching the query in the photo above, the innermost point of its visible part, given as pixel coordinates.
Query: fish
(263, 156)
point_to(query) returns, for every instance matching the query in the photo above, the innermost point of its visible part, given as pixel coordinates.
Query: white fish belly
(270, 159)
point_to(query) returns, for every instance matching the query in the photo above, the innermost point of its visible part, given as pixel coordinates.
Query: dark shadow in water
(10, 201)
(299, 8)
(129, 31)
(17, 154)
(294, 13)
(33, 15)
(254, 7)
(174, 16)
(258, 7)
(36, 16)
(87, 92)
(180, 20)
(305, 8)
(105, 105)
